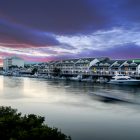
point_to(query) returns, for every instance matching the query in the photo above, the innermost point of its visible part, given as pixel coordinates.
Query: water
(74, 108)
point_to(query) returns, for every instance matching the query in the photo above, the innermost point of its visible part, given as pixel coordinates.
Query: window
(133, 68)
(122, 79)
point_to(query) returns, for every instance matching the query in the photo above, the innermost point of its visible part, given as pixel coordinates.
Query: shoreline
(77, 78)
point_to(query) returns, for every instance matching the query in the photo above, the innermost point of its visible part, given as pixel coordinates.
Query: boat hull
(125, 82)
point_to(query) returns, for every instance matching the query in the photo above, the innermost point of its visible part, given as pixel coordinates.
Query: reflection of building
(12, 61)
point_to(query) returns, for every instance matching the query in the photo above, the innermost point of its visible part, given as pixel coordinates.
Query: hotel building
(12, 61)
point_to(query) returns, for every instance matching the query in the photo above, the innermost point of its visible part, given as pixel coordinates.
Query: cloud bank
(42, 30)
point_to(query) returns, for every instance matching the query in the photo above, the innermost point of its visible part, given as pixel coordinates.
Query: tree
(56, 71)
(14, 126)
(34, 70)
(13, 66)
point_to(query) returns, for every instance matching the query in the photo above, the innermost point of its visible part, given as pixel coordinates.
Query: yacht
(77, 78)
(88, 79)
(123, 80)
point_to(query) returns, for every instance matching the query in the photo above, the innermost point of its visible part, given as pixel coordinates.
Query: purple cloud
(15, 35)
(118, 52)
(63, 16)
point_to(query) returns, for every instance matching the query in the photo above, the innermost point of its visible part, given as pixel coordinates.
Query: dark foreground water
(75, 109)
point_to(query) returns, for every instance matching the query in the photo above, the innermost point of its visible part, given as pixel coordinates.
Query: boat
(77, 78)
(121, 79)
(88, 79)
(7, 73)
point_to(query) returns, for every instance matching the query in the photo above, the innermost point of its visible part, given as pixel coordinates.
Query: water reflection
(11, 87)
(73, 107)
(1, 83)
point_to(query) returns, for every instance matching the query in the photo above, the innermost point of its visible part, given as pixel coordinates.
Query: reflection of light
(1, 82)
(35, 90)
(28, 86)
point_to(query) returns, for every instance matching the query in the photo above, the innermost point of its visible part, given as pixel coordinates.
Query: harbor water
(85, 111)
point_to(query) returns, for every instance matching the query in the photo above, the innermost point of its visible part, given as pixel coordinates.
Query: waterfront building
(86, 66)
(116, 67)
(41, 68)
(76, 66)
(82, 66)
(12, 62)
(66, 66)
(127, 67)
(101, 66)
(46, 67)
(131, 67)
(52, 66)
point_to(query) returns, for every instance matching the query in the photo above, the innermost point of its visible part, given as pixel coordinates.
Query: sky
(44, 30)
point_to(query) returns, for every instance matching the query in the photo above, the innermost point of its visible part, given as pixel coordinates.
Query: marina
(97, 70)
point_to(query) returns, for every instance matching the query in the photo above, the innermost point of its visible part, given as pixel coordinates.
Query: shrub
(14, 126)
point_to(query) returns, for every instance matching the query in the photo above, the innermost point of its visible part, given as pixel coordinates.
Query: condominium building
(12, 61)
(91, 66)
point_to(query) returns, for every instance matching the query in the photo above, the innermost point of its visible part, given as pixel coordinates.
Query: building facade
(94, 66)
(12, 62)
(82, 66)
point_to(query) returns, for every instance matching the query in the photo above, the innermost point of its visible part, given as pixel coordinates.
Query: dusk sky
(42, 30)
